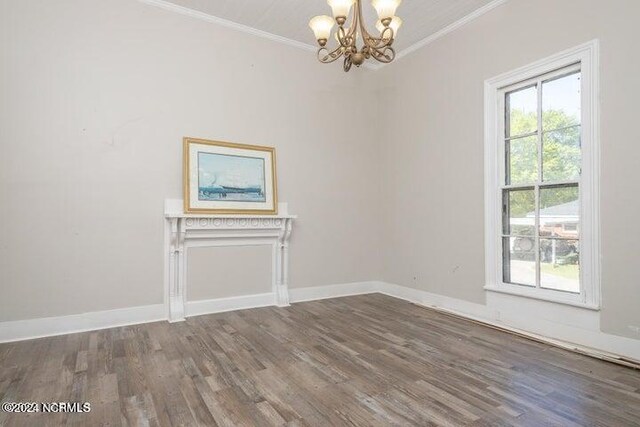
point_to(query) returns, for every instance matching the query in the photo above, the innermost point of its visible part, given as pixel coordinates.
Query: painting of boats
(230, 178)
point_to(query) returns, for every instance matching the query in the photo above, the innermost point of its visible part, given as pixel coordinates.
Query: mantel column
(282, 290)
(177, 270)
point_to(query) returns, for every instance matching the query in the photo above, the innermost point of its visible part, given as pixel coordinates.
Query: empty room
(319, 213)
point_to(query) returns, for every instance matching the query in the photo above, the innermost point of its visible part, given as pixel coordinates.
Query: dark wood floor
(362, 360)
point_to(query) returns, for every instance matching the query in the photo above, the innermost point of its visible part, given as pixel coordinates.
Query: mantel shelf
(220, 216)
(174, 209)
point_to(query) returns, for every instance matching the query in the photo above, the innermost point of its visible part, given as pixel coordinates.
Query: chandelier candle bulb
(341, 9)
(386, 9)
(321, 26)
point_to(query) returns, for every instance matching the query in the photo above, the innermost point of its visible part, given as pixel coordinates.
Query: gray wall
(95, 99)
(433, 146)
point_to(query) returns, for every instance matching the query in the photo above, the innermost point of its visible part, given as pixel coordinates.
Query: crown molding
(166, 5)
(450, 28)
(171, 7)
(446, 30)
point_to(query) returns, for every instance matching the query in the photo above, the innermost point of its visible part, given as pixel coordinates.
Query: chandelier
(377, 47)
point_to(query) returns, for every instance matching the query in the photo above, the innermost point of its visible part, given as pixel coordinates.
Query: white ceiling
(289, 18)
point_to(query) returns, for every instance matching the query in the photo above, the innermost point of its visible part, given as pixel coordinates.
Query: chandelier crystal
(376, 47)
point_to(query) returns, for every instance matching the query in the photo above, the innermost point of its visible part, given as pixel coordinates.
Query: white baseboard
(19, 330)
(519, 320)
(433, 300)
(583, 336)
(220, 305)
(332, 291)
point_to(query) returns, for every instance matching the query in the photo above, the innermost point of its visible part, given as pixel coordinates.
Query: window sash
(585, 59)
(539, 183)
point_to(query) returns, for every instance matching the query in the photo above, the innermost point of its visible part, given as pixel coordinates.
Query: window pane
(561, 154)
(519, 211)
(560, 265)
(561, 102)
(519, 265)
(521, 114)
(559, 211)
(522, 160)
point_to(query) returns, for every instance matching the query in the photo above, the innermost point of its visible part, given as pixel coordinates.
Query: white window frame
(587, 56)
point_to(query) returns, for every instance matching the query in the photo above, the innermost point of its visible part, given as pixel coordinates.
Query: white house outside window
(542, 180)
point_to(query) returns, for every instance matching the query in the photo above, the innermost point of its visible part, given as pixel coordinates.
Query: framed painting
(226, 178)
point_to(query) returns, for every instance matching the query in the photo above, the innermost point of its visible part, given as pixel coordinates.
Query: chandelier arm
(347, 63)
(390, 38)
(348, 38)
(352, 34)
(353, 28)
(329, 57)
(363, 30)
(385, 40)
(384, 54)
(376, 43)
(347, 41)
(369, 40)
(342, 37)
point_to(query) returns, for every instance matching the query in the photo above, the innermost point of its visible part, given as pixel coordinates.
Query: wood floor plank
(367, 360)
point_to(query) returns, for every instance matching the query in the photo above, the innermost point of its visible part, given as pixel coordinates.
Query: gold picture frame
(228, 178)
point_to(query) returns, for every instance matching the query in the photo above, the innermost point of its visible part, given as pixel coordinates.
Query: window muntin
(541, 181)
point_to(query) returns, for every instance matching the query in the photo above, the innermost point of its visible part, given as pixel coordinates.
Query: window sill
(534, 294)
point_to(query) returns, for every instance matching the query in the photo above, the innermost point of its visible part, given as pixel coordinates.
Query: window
(541, 169)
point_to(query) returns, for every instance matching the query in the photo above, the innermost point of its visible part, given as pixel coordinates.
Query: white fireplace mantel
(183, 231)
